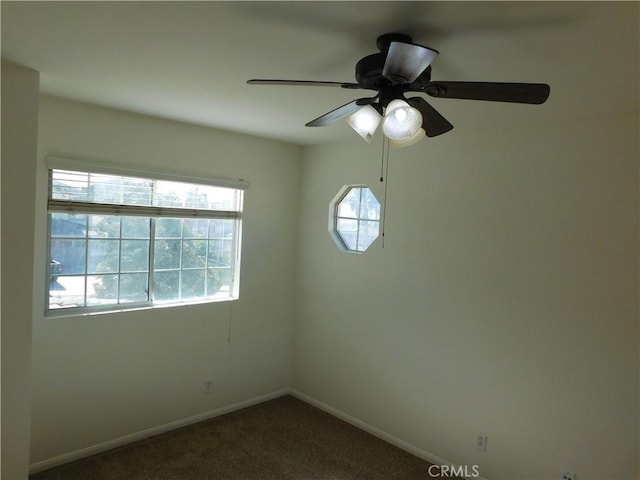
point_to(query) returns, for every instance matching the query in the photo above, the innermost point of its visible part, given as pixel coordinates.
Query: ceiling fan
(403, 67)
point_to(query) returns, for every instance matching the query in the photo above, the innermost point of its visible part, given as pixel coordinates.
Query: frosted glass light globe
(365, 122)
(420, 134)
(401, 120)
(400, 114)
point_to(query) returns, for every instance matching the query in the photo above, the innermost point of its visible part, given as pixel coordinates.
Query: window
(354, 218)
(128, 241)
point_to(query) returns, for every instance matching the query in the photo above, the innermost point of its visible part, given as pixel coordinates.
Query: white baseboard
(117, 442)
(387, 437)
(150, 432)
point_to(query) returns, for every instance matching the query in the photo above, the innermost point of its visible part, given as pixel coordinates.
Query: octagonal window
(355, 218)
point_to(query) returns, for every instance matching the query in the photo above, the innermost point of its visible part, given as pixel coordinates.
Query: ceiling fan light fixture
(401, 121)
(419, 135)
(365, 122)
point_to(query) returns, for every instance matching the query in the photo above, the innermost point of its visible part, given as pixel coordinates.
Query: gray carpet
(283, 439)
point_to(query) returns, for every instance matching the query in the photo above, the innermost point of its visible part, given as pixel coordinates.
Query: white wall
(505, 300)
(101, 377)
(19, 136)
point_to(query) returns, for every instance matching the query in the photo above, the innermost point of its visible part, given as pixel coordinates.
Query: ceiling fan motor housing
(369, 75)
(384, 41)
(369, 71)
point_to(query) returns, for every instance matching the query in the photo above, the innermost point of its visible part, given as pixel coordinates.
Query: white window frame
(146, 211)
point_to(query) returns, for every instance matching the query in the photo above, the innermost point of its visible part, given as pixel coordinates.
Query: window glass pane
(68, 225)
(348, 230)
(349, 206)
(194, 253)
(220, 253)
(104, 226)
(103, 256)
(135, 227)
(168, 228)
(369, 205)
(368, 233)
(133, 287)
(134, 256)
(102, 289)
(166, 254)
(221, 228)
(166, 285)
(193, 283)
(70, 255)
(66, 292)
(55, 269)
(218, 281)
(195, 228)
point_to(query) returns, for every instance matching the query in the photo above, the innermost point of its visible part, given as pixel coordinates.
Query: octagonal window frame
(335, 216)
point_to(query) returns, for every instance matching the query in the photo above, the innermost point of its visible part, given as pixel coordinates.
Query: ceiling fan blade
(340, 112)
(534, 93)
(433, 123)
(302, 83)
(406, 61)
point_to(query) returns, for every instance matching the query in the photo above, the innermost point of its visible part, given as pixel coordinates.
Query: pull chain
(382, 161)
(230, 318)
(385, 159)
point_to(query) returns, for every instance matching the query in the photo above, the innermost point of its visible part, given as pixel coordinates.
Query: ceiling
(189, 61)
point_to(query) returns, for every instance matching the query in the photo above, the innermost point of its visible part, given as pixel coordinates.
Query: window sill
(85, 312)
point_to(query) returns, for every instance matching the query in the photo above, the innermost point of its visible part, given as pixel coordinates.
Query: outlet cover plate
(208, 386)
(481, 442)
(567, 475)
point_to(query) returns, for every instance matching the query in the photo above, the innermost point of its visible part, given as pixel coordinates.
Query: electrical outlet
(567, 475)
(208, 386)
(481, 442)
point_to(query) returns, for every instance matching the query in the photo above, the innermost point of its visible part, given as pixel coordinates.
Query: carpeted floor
(282, 439)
